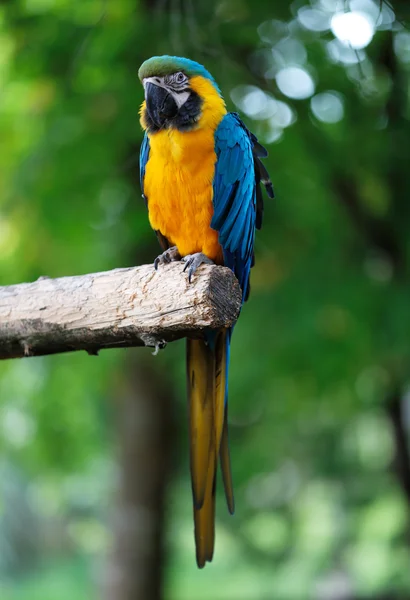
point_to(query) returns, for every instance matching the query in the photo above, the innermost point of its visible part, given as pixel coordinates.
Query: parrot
(200, 176)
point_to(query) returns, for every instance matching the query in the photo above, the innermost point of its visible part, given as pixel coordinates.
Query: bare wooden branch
(124, 307)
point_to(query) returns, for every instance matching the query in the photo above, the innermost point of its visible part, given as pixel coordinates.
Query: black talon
(193, 261)
(167, 257)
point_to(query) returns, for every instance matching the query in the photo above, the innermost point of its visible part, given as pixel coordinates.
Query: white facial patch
(159, 81)
(180, 98)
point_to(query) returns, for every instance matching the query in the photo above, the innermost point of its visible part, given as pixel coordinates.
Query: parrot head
(175, 91)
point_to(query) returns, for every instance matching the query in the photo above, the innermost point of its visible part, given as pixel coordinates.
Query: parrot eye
(180, 77)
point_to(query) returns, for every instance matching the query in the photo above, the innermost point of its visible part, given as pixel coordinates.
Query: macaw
(200, 173)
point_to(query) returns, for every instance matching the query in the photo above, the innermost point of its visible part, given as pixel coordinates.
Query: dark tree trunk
(401, 462)
(145, 431)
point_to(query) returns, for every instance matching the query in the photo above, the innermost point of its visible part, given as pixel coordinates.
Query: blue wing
(238, 208)
(237, 197)
(144, 155)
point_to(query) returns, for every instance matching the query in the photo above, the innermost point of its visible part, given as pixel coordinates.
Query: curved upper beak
(161, 106)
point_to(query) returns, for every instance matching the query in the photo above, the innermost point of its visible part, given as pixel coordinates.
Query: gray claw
(166, 257)
(193, 261)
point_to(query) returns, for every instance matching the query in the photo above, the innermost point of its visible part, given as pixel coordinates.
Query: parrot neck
(213, 107)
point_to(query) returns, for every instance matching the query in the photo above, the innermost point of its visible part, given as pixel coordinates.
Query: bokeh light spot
(291, 52)
(295, 82)
(253, 101)
(354, 29)
(327, 107)
(313, 19)
(402, 46)
(271, 31)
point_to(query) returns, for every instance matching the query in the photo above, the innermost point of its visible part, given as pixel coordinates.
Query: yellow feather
(206, 377)
(226, 466)
(179, 175)
(204, 519)
(220, 385)
(201, 376)
(201, 398)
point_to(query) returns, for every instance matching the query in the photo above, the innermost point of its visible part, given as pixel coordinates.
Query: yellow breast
(179, 176)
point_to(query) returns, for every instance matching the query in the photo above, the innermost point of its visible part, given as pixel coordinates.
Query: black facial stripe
(185, 89)
(177, 87)
(185, 119)
(189, 113)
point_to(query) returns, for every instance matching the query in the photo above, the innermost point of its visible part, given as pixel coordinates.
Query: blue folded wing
(144, 155)
(235, 196)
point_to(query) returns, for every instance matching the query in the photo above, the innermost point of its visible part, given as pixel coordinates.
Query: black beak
(160, 104)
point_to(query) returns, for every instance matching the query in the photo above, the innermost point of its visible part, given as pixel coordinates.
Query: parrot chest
(178, 186)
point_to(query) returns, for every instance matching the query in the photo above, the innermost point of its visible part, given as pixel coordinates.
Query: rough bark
(125, 307)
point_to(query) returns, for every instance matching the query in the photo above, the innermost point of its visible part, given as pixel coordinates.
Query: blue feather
(221, 211)
(144, 155)
(235, 196)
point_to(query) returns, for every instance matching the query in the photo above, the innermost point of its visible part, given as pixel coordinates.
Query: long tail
(207, 372)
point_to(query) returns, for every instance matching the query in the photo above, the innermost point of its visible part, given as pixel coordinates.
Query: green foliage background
(319, 352)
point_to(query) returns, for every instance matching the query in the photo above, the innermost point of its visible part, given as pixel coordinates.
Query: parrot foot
(166, 257)
(193, 261)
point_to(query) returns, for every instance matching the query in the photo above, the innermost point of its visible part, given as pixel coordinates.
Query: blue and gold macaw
(200, 172)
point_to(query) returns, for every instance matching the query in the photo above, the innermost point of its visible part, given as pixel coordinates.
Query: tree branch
(125, 307)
